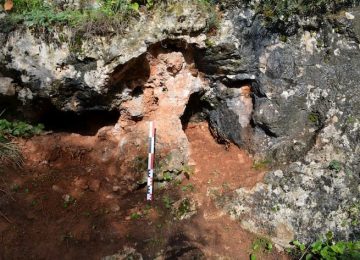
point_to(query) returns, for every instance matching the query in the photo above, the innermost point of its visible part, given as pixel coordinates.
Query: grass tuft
(10, 153)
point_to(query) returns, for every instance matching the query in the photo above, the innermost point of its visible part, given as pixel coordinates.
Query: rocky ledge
(291, 101)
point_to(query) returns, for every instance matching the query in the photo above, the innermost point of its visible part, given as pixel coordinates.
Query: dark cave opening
(196, 110)
(84, 123)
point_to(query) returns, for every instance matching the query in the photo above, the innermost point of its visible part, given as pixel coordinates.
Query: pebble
(57, 189)
(349, 16)
(116, 188)
(66, 197)
(94, 185)
(81, 183)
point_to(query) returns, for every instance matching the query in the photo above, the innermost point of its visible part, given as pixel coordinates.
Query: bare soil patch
(69, 202)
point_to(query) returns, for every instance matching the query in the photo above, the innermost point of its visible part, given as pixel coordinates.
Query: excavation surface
(67, 203)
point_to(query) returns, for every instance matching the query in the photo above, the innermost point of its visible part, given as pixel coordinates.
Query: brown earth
(70, 202)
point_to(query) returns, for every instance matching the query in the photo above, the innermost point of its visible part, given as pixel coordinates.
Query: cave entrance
(84, 123)
(196, 110)
(223, 164)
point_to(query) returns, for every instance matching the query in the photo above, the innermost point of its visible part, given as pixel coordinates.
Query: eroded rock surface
(306, 111)
(293, 101)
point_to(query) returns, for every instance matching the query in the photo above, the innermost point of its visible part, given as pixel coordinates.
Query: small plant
(313, 118)
(335, 166)
(261, 165)
(262, 245)
(149, 3)
(209, 43)
(351, 120)
(146, 210)
(327, 249)
(135, 216)
(275, 208)
(9, 152)
(354, 214)
(168, 202)
(283, 38)
(280, 14)
(68, 201)
(189, 187)
(183, 209)
(19, 128)
(167, 176)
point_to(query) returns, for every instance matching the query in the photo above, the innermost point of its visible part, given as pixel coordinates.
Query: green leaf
(256, 246)
(252, 257)
(339, 248)
(134, 6)
(356, 245)
(326, 254)
(329, 235)
(316, 246)
(296, 243)
(302, 247)
(308, 256)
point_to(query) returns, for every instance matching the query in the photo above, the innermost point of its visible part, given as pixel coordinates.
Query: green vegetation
(189, 187)
(135, 216)
(326, 248)
(93, 18)
(19, 129)
(261, 164)
(183, 209)
(354, 214)
(351, 120)
(280, 12)
(335, 166)
(107, 16)
(9, 152)
(260, 245)
(167, 176)
(275, 208)
(283, 15)
(168, 202)
(313, 118)
(283, 38)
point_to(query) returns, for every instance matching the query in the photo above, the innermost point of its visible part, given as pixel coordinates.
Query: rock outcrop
(292, 101)
(306, 110)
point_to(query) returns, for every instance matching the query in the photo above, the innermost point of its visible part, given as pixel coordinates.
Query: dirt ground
(67, 203)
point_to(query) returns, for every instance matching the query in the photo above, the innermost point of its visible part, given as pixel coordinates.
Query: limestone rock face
(306, 110)
(7, 88)
(293, 101)
(79, 75)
